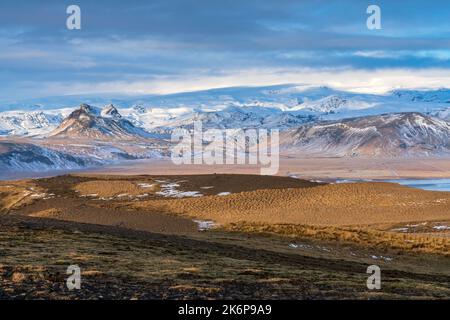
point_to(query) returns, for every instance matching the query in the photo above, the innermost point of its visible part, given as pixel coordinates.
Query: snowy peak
(87, 109)
(139, 109)
(84, 114)
(402, 134)
(28, 123)
(327, 105)
(443, 113)
(110, 111)
(90, 122)
(438, 96)
(239, 118)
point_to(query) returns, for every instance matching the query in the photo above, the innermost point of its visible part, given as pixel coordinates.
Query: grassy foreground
(275, 238)
(124, 264)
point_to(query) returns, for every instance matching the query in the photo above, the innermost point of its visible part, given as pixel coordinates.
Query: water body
(425, 184)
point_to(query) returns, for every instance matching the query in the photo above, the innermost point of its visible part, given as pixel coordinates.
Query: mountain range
(312, 120)
(282, 106)
(387, 135)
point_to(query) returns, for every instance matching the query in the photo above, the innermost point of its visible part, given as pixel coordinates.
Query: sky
(167, 46)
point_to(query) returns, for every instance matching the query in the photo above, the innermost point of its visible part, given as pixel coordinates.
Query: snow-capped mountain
(281, 106)
(29, 123)
(435, 96)
(91, 122)
(400, 134)
(110, 111)
(30, 157)
(317, 120)
(443, 114)
(235, 118)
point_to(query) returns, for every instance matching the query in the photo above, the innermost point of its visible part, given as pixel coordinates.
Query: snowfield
(282, 106)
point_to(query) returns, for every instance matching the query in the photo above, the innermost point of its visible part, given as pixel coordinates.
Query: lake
(425, 184)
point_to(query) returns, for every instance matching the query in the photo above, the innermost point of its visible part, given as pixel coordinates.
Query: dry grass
(190, 288)
(192, 270)
(14, 195)
(18, 277)
(214, 183)
(343, 212)
(91, 273)
(339, 213)
(119, 264)
(328, 205)
(363, 237)
(48, 213)
(112, 188)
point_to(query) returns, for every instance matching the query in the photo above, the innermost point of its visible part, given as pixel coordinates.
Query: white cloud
(375, 81)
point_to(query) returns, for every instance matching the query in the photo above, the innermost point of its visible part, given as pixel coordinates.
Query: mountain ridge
(90, 122)
(398, 134)
(283, 106)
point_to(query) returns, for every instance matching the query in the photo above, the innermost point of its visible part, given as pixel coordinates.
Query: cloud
(169, 45)
(373, 81)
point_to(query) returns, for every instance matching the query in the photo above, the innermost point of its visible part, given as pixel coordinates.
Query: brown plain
(363, 213)
(279, 238)
(324, 205)
(111, 188)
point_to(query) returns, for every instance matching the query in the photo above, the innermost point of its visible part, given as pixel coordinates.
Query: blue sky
(165, 46)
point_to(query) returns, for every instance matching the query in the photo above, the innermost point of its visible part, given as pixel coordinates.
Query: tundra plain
(221, 236)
